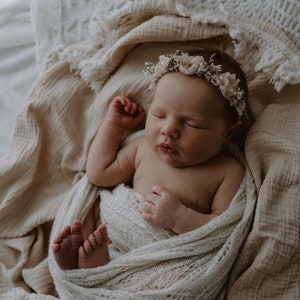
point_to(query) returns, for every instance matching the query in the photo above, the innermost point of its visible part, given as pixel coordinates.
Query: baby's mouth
(165, 148)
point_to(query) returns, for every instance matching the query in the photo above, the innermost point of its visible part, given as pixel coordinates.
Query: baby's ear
(232, 129)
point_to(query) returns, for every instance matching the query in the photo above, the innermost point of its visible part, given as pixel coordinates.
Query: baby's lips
(166, 148)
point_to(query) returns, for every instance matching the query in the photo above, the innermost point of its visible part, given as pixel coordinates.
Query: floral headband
(226, 82)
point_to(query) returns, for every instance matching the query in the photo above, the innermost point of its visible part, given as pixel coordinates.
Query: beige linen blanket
(62, 113)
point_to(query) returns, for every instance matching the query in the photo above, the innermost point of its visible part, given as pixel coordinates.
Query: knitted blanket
(121, 211)
(44, 170)
(157, 263)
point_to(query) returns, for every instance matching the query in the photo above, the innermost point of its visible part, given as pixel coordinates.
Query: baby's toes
(88, 247)
(104, 234)
(98, 237)
(101, 234)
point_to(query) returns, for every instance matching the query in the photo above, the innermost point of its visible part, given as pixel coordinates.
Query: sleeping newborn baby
(181, 166)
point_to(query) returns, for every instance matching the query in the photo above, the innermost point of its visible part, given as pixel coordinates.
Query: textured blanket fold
(158, 263)
(121, 210)
(44, 170)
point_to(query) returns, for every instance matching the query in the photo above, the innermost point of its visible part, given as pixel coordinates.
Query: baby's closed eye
(157, 114)
(194, 124)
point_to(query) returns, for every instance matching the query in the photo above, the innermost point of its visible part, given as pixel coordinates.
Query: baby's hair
(228, 63)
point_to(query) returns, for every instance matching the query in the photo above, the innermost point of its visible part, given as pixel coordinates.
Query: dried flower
(226, 82)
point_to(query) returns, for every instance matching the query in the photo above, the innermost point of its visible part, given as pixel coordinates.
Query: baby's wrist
(114, 126)
(178, 226)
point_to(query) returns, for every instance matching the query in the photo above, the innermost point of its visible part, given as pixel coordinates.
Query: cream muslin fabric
(45, 165)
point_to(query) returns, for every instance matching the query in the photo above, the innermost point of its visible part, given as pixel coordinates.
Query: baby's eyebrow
(156, 109)
(195, 116)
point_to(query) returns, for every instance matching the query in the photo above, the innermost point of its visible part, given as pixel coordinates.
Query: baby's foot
(94, 251)
(66, 245)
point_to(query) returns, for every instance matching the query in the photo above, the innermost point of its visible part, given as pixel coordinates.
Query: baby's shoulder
(138, 146)
(134, 138)
(232, 166)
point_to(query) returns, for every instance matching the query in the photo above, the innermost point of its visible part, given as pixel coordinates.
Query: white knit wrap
(159, 264)
(121, 210)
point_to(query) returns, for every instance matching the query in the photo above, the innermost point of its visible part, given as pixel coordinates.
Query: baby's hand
(162, 208)
(124, 113)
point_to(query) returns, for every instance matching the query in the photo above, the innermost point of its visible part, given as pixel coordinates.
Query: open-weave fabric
(194, 265)
(67, 22)
(62, 114)
(121, 211)
(263, 26)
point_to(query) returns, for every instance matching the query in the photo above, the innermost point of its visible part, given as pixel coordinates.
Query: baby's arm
(164, 209)
(106, 164)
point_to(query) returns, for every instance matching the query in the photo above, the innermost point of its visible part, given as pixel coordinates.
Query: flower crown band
(226, 82)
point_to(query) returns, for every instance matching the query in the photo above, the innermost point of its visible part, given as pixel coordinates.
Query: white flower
(228, 84)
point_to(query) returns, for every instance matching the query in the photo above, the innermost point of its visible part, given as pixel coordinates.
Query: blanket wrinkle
(273, 251)
(37, 182)
(33, 181)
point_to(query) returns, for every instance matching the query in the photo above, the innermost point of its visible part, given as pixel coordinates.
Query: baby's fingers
(119, 103)
(128, 106)
(132, 108)
(158, 189)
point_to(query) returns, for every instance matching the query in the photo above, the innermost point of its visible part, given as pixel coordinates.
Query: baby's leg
(91, 221)
(66, 245)
(94, 251)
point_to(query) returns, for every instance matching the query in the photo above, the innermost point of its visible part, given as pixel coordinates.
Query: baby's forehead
(189, 103)
(179, 79)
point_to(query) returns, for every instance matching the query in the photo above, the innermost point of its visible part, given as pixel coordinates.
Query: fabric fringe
(270, 55)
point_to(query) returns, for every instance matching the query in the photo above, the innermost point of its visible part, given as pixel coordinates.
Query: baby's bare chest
(194, 186)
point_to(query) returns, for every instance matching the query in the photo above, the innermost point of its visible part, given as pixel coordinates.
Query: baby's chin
(175, 162)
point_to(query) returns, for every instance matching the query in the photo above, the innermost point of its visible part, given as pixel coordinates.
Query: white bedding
(17, 63)
(23, 49)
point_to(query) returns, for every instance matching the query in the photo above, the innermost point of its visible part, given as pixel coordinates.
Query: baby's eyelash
(191, 125)
(196, 126)
(157, 115)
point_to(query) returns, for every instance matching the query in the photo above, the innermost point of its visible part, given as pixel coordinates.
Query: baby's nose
(170, 130)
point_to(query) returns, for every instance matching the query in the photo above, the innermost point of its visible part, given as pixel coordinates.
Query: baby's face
(186, 122)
